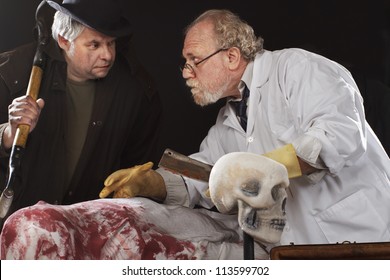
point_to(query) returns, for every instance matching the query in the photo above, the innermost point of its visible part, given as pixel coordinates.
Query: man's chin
(201, 98)
(102, 73)
(200, 101)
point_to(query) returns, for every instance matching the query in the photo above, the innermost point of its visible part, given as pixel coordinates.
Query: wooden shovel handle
(33, 91)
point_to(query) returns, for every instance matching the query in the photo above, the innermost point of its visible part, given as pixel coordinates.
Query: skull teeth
(277, 224)
(252, 221)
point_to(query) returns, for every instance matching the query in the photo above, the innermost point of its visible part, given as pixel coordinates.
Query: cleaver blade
(184, 165)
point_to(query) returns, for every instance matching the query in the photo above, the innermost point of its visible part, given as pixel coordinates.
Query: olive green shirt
(79, 103)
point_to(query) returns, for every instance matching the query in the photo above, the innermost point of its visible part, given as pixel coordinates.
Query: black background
(353, 33)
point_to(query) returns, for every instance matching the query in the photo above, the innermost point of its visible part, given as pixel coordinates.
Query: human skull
(255, 186)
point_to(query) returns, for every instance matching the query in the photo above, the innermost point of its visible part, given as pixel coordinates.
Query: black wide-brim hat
(105, 16)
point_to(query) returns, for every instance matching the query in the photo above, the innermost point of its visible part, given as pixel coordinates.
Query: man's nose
(187, 73)
(107, 53)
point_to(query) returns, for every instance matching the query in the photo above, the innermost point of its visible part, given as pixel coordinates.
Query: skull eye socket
(275, 192)
(251, 188)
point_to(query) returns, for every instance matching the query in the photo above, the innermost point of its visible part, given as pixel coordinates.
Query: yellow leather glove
(139, 180)
(286, 155)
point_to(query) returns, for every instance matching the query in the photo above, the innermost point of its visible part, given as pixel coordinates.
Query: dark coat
(123, 130)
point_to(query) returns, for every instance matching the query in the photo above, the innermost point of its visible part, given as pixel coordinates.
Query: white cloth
(302, 98)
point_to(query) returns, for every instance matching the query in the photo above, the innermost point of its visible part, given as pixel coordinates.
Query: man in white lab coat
(296, 97)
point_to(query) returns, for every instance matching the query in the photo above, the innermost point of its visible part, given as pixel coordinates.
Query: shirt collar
(246, 80)
(246, 77)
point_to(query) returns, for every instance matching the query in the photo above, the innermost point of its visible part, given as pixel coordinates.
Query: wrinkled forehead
(199, 37)
(89, 34)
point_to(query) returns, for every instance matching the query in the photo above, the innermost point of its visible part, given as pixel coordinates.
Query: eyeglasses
(191, 68)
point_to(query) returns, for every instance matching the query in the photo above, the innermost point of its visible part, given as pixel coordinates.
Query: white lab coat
(302, 98)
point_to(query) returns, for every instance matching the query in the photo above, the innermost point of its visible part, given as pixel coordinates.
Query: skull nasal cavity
(251, 188)
(284, 205)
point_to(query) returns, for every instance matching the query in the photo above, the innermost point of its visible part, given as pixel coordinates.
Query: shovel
(21, 135)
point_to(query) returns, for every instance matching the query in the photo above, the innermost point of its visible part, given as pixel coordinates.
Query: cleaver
(184, 165)
(195, 169)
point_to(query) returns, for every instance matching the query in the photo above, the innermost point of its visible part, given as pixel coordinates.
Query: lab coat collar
(255, 76)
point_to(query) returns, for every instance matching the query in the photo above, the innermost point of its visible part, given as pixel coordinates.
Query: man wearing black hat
(98, 110)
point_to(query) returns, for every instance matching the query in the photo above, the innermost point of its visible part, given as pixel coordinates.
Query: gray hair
(66, 27)
(231, 31)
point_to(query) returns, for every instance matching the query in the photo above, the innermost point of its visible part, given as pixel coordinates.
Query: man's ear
(63, 43)
(234, 56)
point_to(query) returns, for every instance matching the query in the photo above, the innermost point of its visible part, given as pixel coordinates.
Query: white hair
(66, 27)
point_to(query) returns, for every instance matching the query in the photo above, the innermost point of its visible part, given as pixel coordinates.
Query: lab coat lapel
(231, 118)
(261, 70)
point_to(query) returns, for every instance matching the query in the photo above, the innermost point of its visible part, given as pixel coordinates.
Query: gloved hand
(286, 155)
(139, 180)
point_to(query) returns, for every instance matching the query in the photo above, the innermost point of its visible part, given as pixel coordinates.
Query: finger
(109, 188)
(25, 111)
(147, 166)
(111, 182)
(15, 121)
(120, 175)
(35, 106)
(123, 193)
(27, 102)
(41, 103)
(104, 192)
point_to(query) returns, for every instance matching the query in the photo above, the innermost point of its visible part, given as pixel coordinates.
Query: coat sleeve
(211, 149)
(326, 106)
(15, 68)
(3, 117)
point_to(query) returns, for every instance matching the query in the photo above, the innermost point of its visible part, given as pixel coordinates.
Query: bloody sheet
(136, 228)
